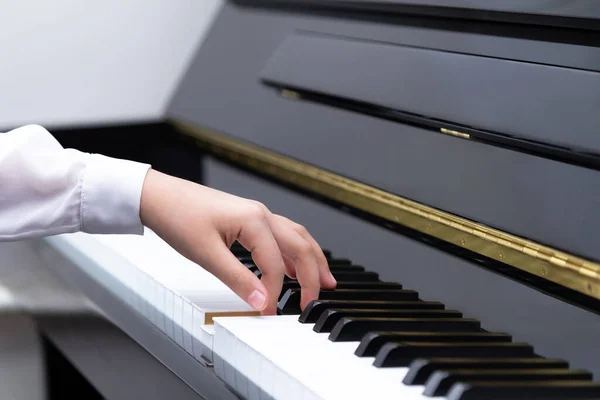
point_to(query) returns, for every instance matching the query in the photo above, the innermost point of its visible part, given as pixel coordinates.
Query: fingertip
(270, 310)
(307, 296)
(257, 300)
(326, 278)
(330, 282)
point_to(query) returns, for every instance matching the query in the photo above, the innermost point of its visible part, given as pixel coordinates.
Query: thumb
(229, 270)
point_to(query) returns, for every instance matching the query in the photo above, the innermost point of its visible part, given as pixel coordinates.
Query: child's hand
(202, 223)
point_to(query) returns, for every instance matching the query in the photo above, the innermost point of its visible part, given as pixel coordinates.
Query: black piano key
(335, 269)
(240, 251)
(339, 261)
(401, 354)
(316, 307)
(336, 265)
(561, 390)
(440, 382)
(346, 267)
(342, 273)
(355, 276)
(372, 341)
(290, 301)
(236, 245)
(420, 370)
(329, 318)
(353, 329)
(346, 285)
(246, 259)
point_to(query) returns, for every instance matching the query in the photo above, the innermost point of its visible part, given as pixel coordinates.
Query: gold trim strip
(567, 270)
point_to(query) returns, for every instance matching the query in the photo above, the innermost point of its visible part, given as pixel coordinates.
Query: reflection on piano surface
(447, 156)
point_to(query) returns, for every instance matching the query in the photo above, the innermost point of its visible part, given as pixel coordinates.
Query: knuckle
(237, 278)
(303, 248)
(257, 210)
(301, 230)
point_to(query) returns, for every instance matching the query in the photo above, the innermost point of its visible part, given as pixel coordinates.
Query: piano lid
(580, 14)
(470, 93)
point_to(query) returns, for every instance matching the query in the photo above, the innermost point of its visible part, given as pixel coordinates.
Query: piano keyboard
(367, 338)
(173, 293)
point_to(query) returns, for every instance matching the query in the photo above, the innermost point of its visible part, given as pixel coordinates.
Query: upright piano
(446, 156)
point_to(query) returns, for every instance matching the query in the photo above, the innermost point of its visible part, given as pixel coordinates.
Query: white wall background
(65, 62)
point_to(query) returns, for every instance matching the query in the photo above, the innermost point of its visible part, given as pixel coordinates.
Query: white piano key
(207, 335)
(229, 360)
(311, 364)
(187, 326)
(128, 292)
(219, 340)
(136, 287)
(201, 345)
(152, 300)
(252, 359)
(178, 320)
(169, 317)
(241, 384)
(160, 307)
(147, 284)
(266, 377)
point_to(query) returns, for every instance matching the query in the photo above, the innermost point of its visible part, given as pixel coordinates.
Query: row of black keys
(451, 355)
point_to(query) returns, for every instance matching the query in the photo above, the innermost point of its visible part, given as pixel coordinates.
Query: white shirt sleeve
(48, 190)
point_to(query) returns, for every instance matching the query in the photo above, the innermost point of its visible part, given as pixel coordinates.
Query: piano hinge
(455, 133)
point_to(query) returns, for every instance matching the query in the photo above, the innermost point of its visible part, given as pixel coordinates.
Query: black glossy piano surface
(377, 79)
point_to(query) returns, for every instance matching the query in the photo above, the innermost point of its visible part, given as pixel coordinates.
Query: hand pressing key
(202, 224)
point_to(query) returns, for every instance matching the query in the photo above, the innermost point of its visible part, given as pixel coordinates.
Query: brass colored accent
(290, 94)
(455, 133)
(209, 316)
(567, 270)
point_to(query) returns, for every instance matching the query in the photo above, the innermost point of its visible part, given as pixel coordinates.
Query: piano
(446, 156)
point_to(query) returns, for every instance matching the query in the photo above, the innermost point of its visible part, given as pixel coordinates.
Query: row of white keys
(170, 291)
(288, 360)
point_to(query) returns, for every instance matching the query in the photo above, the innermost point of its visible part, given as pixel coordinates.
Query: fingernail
(257, 300)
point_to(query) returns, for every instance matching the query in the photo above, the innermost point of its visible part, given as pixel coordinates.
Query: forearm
(47, 190)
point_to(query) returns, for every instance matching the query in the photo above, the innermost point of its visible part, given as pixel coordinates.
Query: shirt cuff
(111, 191)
